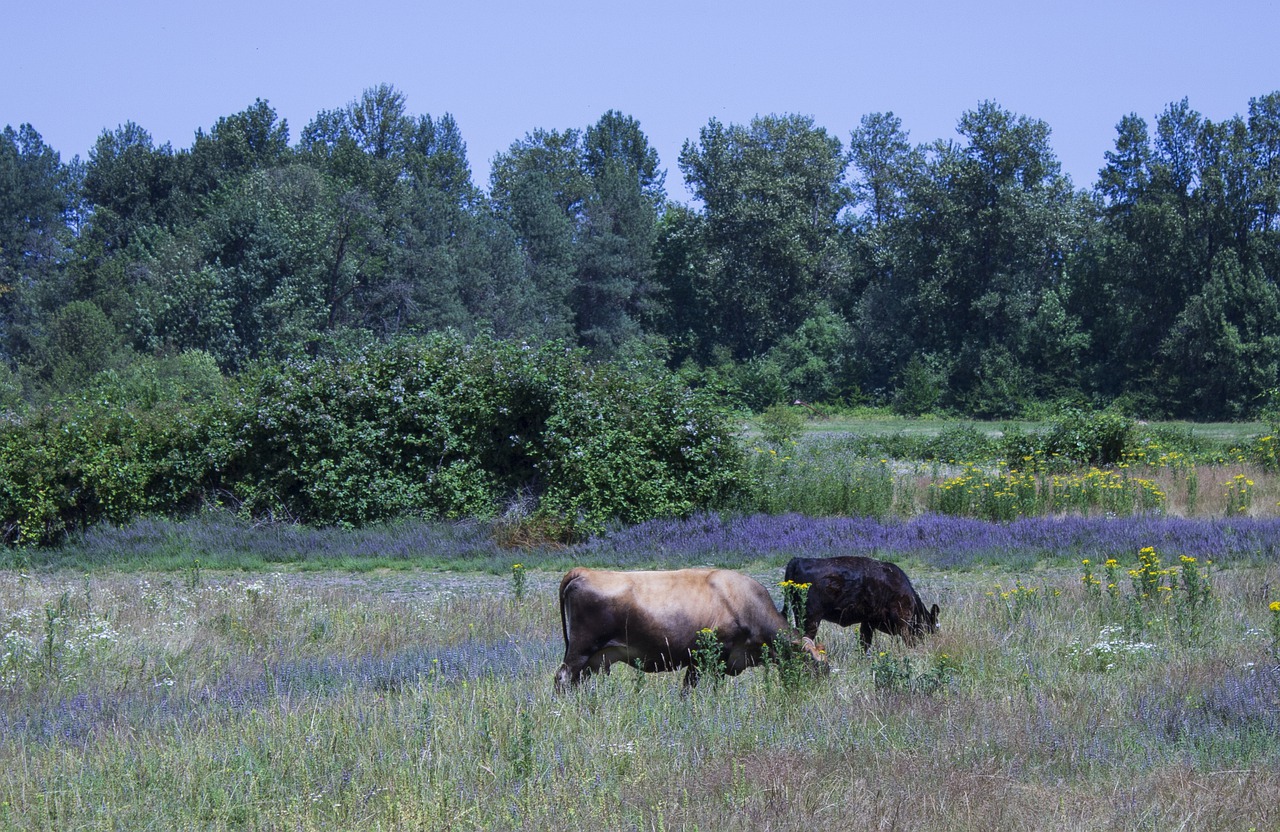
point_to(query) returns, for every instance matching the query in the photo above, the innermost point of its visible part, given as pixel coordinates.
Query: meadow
(1058, 695)
(1109, 659)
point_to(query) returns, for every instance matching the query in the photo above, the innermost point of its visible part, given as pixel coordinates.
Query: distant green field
(1226, 432)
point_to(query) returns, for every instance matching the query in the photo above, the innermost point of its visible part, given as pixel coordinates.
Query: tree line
(965, 274)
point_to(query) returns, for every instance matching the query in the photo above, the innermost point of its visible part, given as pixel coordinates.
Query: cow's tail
(565, 583)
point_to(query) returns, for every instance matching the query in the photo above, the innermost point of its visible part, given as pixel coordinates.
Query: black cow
(857, 590)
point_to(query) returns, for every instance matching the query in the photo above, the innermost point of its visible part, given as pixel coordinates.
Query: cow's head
(815, 656)
(924, 620)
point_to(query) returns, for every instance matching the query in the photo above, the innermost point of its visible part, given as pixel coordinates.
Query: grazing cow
(856, 590)
(652, 619)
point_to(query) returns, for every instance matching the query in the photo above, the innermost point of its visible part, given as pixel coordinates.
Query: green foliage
(707, 656)
(1224, 348)
(82, 342)
(795, 597)
(962, 442)
(1174, 601)
(519, 578)
(813, 361)
(440, 428)
(1008, 494)
(966, 276)
(780, 424)
(631, 443)
(899, 674)
(821, 479)
(920, 389)
(107, 457)
(10, 391)
(1099, 438)
(772, 192)
(757, 383)
(787, 665)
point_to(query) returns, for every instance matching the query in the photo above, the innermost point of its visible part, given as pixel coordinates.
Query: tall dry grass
(423, 700)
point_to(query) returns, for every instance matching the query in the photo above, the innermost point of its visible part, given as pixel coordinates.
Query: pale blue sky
(73, 69)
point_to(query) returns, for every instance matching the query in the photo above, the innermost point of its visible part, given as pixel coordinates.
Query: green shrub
(820, 478)
(961, 443)
(780, 424)
(632, 443)
(1099, 438)
(921, 387)
(437, 428)
(92, 459)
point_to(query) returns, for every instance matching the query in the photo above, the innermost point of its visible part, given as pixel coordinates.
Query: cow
(652, 620)
(857, 590)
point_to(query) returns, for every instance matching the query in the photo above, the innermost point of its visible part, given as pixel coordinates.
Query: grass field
(216, 674)
(880, 423)
(422, 700)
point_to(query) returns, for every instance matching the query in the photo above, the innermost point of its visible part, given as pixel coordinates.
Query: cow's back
(848, 590)
(653, 619)
(674, 599)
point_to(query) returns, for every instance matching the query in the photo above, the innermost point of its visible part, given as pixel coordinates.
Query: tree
(280, 260)
(36, 204)
(130, 185)
(1131, 282)
(1174, 166)
(886, 163)
(364, 144)
(1126, 177)
(437, 158)
(681, 262)
(1223, 352)
(772, 193)
(614, 283)
(1171, 208)
(1264, 147)
(539, 188)
(1264, 144)
(81, 342)
(814, 361)
(981, 243)
(458, 265)
(253, 139)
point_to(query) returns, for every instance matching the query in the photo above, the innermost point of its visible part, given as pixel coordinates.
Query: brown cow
(856, 590)
(652, 619)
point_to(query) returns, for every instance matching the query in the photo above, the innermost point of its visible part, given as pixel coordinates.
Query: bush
(780, 424)
(961, 443)
(435, 428)
(92, 459)
(921, 387)
(1092, 438)
(632, 443)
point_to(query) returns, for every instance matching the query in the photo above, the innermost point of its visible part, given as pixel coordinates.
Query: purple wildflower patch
(86, 716)
(938, 540)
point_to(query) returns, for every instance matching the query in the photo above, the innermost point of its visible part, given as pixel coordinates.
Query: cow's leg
(903, 623)
(812, 618)
(865, 633)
